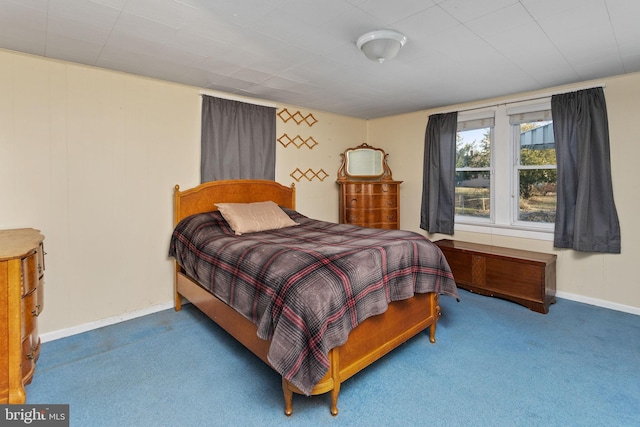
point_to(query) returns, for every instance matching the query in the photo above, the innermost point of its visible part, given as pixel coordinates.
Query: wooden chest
(524, 277)
(21, 301)
(370, 203)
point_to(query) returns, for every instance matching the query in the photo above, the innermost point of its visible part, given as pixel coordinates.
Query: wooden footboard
(371, 340)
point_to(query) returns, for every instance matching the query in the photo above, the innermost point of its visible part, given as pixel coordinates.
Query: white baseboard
(598, 302)
(51, 336)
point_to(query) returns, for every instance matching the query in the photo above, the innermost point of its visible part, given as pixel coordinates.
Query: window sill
(504, 230)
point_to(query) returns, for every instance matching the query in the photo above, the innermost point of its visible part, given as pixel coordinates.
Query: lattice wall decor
(297, 140)
(297, 117)
(309, 174)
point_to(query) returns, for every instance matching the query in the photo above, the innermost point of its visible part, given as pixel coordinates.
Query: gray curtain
(238, 140)
(586, 216)
(437, 214)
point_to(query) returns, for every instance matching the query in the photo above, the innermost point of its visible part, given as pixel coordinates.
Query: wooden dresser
(525, 277)
(369, 196)
(21, 301)
(370, 204)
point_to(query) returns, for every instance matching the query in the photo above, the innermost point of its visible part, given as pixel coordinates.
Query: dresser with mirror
(369, 196)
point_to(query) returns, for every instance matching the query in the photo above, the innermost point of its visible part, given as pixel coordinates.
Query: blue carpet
(495, 363)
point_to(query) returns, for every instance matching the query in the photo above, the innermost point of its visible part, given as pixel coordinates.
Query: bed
(295, 298)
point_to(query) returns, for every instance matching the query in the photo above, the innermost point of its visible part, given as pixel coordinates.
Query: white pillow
(252, 217)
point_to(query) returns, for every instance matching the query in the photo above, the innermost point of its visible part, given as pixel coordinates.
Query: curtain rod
(238, 98)
(518, 100)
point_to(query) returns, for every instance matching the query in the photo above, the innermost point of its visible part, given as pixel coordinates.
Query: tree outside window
(473, 173)
(536, 173)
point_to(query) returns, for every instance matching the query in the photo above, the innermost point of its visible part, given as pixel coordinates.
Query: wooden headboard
(203, 197)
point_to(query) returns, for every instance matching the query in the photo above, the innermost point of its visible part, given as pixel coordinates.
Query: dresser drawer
(30, 313)
(366, 217)
(371, 202)
(32, 306)
(384, 188)
(370, 189)
(30, 276)
(39, 297)
(40, 264)
(29, 353)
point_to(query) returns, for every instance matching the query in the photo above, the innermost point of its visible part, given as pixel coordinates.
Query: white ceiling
(303, 52)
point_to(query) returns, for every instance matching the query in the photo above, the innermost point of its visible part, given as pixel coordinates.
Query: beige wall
(333, 133)
(90, 157)
(601, 279)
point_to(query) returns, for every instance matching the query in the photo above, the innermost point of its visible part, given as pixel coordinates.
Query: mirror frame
(345, 173)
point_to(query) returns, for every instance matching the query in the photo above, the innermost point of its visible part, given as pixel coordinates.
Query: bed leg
(437, 312)
(177, 302)
(334, 356)
(334, 398)
(177, 299)
(288, 398)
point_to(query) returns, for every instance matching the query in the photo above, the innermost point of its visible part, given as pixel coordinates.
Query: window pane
(537, 195)
(537, 145)
(472, 193)
(537, 157)
(536, 179)
(473, 148)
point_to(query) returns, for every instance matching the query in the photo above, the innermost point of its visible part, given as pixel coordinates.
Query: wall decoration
(286, 140)
(309, 174)
(297, 117)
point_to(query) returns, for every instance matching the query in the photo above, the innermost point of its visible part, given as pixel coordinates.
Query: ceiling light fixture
(381, 45)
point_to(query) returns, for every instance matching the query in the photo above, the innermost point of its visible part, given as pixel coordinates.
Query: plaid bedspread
(306, 287)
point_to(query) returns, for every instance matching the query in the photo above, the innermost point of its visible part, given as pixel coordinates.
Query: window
(473, 170)
(534, 167)
(506, 170)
